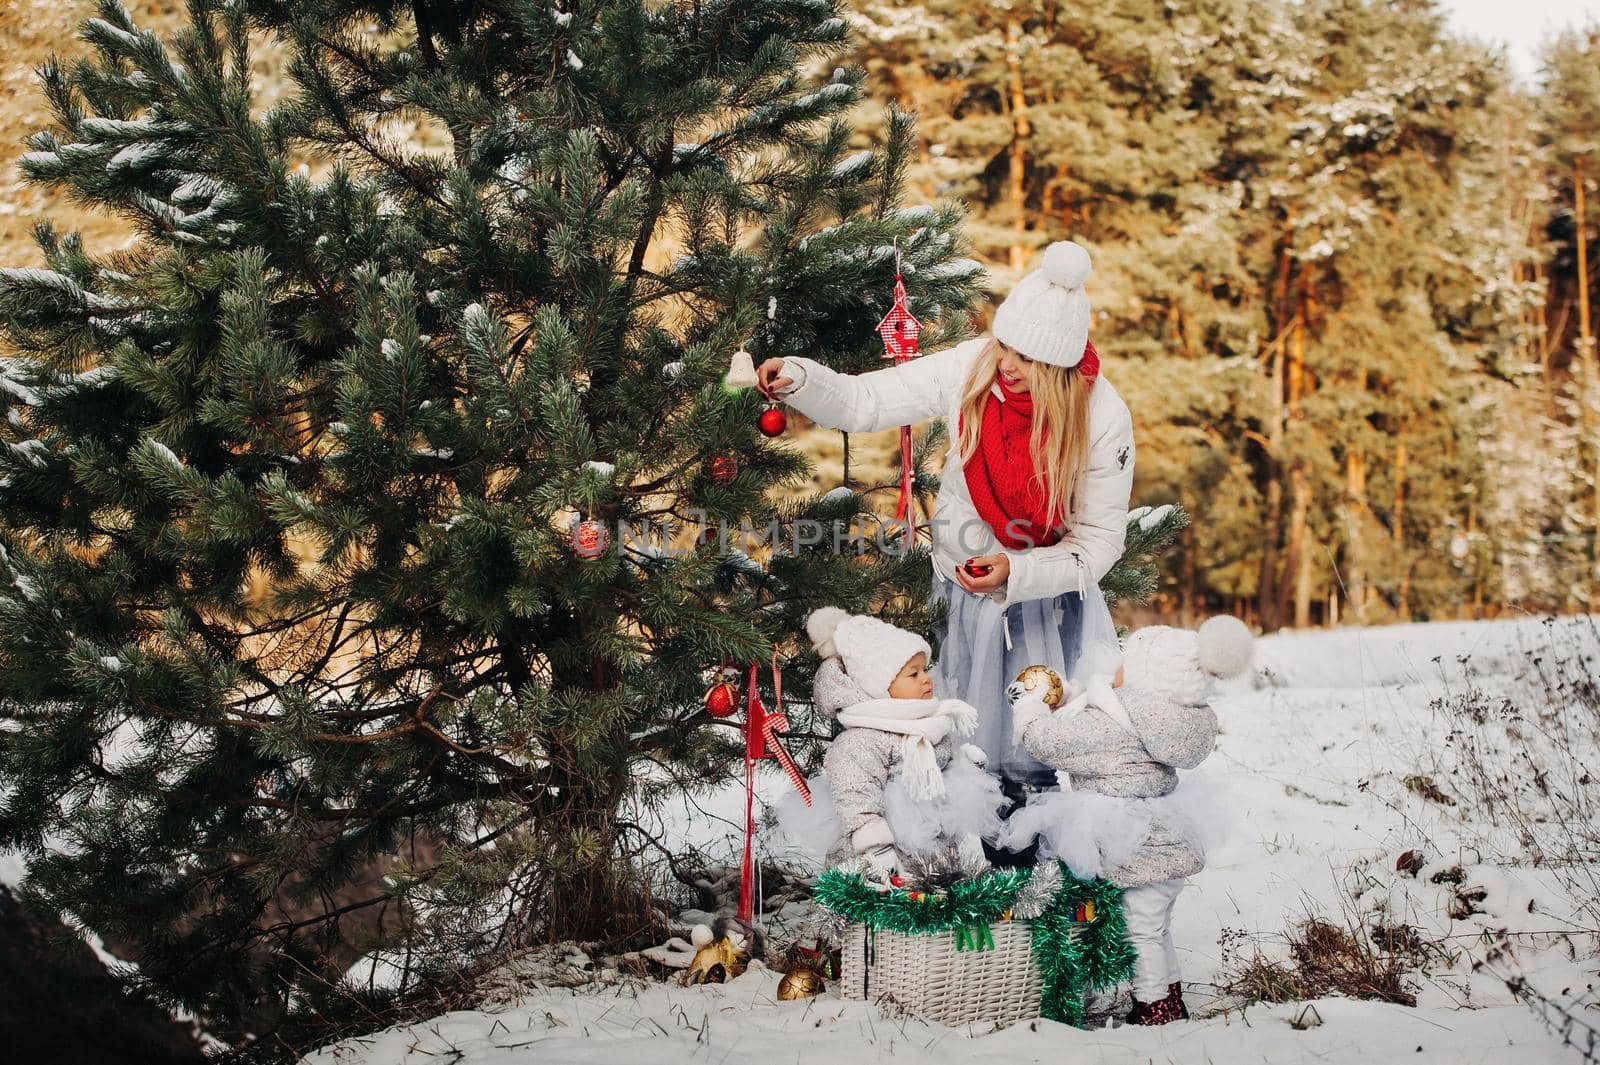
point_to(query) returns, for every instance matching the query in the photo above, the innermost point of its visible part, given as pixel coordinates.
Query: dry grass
(1324, 959)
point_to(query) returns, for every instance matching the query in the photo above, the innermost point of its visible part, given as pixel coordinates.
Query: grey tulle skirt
(979, 649)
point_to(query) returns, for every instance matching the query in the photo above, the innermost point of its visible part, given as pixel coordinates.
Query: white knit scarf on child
(923, 723)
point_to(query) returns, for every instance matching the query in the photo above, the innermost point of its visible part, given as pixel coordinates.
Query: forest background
(1344, 273)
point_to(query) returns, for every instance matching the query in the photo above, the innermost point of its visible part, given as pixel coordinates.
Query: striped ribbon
(761, 731)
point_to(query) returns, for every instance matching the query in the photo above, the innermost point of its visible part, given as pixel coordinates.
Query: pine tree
(288, 492)
(1301, 282)
(1569, 129)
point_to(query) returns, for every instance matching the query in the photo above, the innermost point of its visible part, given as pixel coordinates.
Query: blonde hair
(1059, 442)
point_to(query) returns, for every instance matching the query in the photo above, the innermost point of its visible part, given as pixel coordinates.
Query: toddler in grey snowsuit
(897, 782)
(1126, 817)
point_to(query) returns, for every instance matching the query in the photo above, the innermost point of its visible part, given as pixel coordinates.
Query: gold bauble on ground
(716, 963)
(1045, 683)
(799, 983)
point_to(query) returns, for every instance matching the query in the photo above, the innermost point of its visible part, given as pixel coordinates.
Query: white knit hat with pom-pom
(1186, 665)
(873, 652)
(1046, 317)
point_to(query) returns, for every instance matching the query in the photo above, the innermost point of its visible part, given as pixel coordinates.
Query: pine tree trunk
(1296, 582)
(1020, 131)
(1300, 491)
(1403, 601)
(1272, 525)
(1477, 572)
(584, 887)
(1355, 479)
(1060, 190)
(1541, 332)
(1591, 372)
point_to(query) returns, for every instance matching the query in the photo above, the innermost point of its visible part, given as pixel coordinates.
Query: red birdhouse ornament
(899, 327)
(899, 330)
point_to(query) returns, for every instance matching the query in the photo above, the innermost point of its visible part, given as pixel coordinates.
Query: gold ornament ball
(716, 963)
(1045, 683)
(799, 983)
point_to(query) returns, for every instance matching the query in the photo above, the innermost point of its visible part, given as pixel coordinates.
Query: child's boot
(1164, 1011)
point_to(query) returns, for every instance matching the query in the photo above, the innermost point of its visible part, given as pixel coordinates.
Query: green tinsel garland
(1098, 958)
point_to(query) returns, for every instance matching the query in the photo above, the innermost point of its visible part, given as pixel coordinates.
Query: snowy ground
(1318, 747)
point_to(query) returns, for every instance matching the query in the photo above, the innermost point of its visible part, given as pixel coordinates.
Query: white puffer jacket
(930, 386)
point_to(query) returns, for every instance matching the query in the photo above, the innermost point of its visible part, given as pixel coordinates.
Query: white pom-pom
(1226, 646)
(700, 935)
(821, 624)
(1066, 264)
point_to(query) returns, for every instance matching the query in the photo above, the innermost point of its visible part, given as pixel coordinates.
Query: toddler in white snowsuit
(897, 783)
(1126, 817)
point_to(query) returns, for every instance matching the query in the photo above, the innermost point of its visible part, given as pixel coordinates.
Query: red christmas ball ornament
(589, 538)
(721, 699)
(772, 422)
(724, 468)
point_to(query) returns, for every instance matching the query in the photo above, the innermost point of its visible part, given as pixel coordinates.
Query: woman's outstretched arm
(882, 399)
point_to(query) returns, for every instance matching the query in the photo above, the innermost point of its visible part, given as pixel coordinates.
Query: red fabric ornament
(724, 468)
(589, 539)
(761, 731)
(899, 330)
(772, 422)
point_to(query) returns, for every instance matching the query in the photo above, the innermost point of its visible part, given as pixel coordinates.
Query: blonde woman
(1032, 506)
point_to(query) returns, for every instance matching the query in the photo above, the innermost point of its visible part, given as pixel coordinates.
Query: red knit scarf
(1000, 473)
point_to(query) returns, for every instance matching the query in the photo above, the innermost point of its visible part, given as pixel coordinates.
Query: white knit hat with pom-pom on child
(1186, 665)
(873, 652)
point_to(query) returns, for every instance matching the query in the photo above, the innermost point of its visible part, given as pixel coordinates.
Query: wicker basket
(927, 976)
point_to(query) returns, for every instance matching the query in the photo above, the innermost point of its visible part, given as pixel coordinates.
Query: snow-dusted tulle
(970, 805)
(1088, 831)
(1095, 833)
(1204, 810)
(811, 830)
(1073, 636)
(972, 801)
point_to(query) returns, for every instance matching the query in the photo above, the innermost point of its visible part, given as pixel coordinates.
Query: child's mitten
(884, 861)
(1026, 709)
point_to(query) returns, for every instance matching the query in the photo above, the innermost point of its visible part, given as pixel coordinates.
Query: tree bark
(1272, 525)
(1403, 600)
(1299, 548)
(1296, 582)
(1020, 131)
(1591, 367)
(1356, 515)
